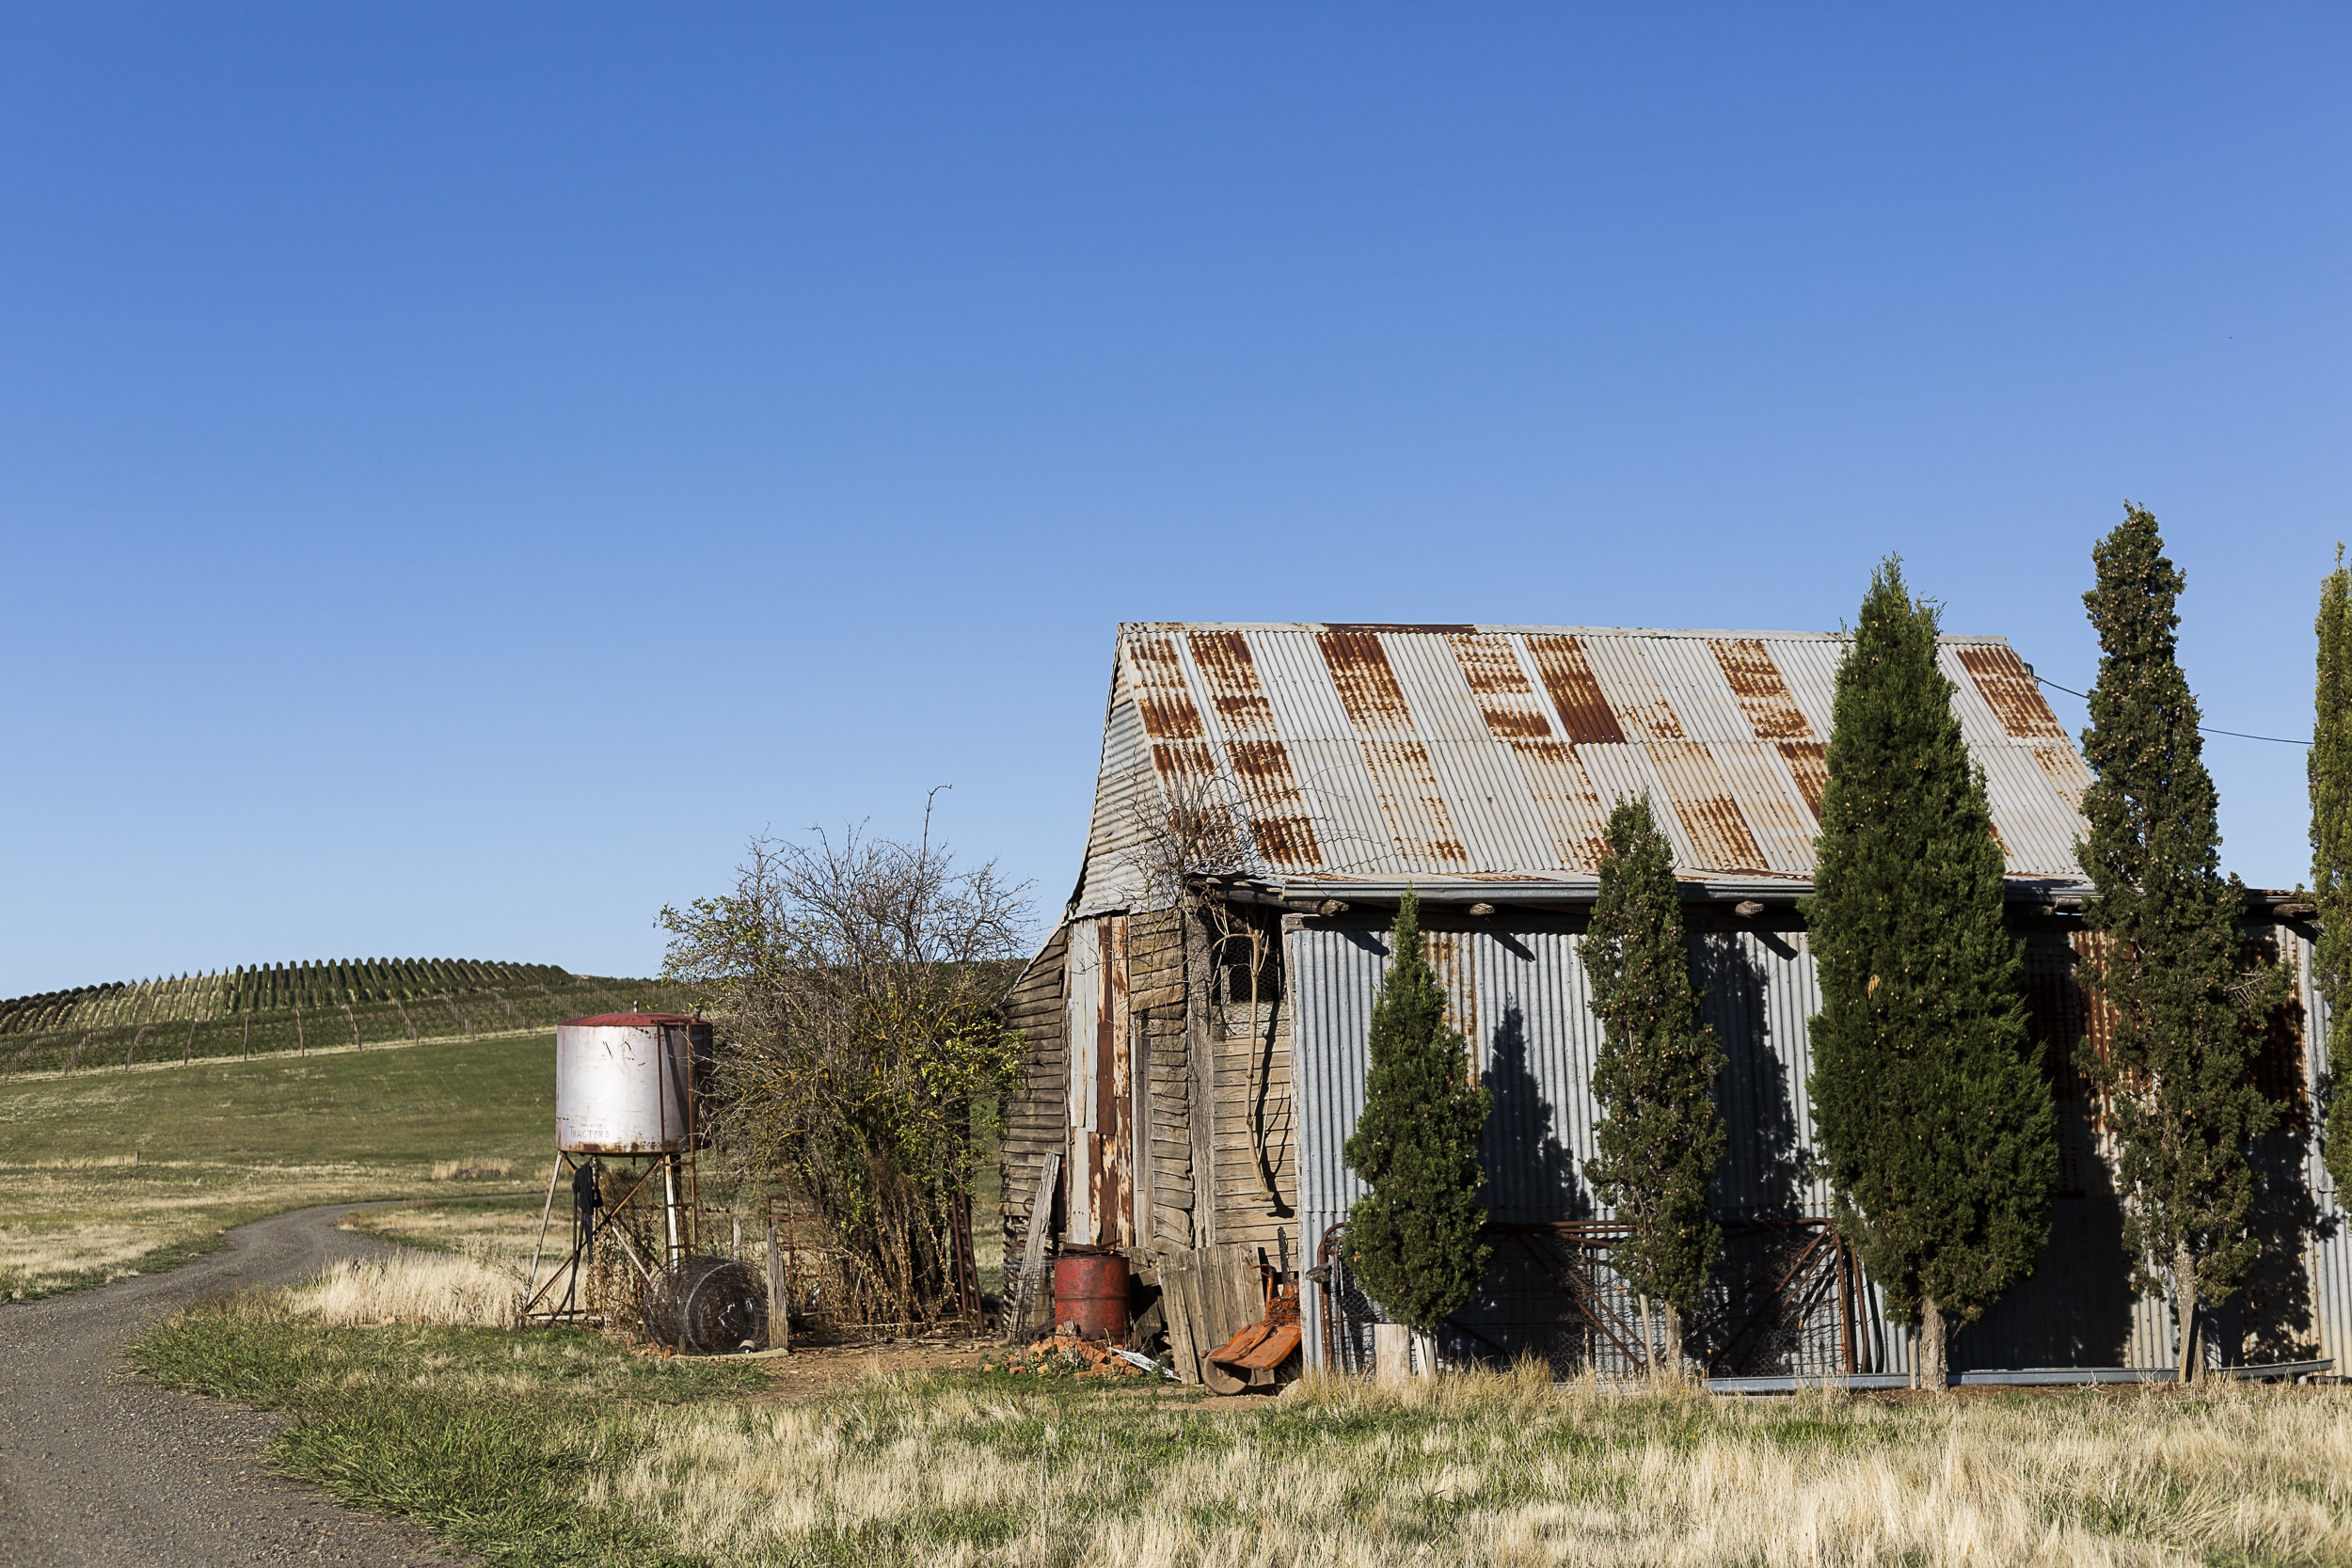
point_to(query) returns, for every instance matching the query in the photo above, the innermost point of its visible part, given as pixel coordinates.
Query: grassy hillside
(222, 1142)
(273, 1009)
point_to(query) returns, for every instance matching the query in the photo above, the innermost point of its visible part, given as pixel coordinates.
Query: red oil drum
(1090, 1290)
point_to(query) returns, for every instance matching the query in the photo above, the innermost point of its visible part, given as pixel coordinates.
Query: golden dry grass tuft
(416, 1288)
(1502, 1469)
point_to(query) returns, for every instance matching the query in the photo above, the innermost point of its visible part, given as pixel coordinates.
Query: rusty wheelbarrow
(1261, 1354)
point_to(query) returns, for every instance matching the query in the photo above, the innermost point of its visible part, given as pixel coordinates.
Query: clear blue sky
(465, 469)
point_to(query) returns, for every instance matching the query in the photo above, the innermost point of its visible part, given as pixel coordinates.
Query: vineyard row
(300, 1026)
(265, 989)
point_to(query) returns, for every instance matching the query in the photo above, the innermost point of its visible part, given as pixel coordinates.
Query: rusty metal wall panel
(1527, 997)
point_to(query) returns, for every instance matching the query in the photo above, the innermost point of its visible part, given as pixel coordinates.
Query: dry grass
(1500, 1469)
(473, 1170)
(500, 1233)
(428, 1288)
(90, 1223)
(112, 1173)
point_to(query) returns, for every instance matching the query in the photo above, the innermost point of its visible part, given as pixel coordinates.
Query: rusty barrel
(1090, 1290)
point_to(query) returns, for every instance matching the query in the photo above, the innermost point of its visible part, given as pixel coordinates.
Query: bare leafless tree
(853, 981)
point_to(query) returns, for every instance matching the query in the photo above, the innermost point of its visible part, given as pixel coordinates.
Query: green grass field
(219, 1143)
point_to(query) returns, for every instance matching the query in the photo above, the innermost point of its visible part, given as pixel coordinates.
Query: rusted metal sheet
(1419, 818)
(1560, 792)
(1808, 768)
(1375, 752)
(1701, 796)
(1284, 832)
(1160, 688)
(1102, 1094)
(1763, 694)
(2010, 691)
(1586, 713)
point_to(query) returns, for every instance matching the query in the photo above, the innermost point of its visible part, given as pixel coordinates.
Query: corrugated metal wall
(1523, 998)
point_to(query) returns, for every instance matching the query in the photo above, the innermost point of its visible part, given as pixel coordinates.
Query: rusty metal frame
(1824, 1264)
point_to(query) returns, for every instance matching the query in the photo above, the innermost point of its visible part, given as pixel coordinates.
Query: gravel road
(97, 1468)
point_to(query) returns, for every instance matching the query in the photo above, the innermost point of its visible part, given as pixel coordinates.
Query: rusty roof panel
(1284, 833)
(1808, 769)
(1566, 807)
(1495, 751)
(1163, 696)
(1566, 676)
(1420, 820)
(1626, 773)
(1332, 779)
(1367, 684)
(1481, 781)
(1621, 665)
(1769, 802)
(1758, 685)
(1702, 797)
(1565, 802)
(1696, 688)
(2066, 770)
(2010, 691)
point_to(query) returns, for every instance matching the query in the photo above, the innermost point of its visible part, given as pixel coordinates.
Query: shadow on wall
(1531, 1175)
(1765, 1169)
(2075, 1309)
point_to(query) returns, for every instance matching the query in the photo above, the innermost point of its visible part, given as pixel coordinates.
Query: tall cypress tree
(2331, 856)
(1935, 1120)
(1413, 1239)
(2184, 1021)
(1660, 1139)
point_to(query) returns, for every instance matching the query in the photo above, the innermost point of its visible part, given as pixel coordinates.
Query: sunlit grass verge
(1497, 1470)
(560, 1447)
(489, 1435)
(411, 1288)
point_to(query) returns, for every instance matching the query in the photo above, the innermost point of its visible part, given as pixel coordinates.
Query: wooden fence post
(779, 1310)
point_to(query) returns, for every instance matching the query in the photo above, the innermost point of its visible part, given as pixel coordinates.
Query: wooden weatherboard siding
(1035, 1110)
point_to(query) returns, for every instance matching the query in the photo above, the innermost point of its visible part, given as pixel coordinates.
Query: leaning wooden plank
(1177, 1309)
(1024, 1303)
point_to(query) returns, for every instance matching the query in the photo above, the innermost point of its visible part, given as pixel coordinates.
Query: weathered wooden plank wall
(1037, 1109)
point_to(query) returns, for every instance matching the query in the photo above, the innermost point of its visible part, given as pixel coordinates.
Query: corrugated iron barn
(1197, 1021)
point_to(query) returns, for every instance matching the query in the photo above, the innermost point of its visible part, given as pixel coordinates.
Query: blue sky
(465, 469)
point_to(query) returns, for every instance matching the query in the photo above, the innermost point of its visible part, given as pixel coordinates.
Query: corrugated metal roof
(1367, 753)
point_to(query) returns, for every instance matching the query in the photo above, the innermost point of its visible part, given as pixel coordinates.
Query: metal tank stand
(594, 1218)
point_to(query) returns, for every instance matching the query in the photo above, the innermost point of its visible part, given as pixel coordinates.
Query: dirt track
(98, 1468)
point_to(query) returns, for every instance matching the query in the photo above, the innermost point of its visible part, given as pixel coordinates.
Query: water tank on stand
(630, 1082)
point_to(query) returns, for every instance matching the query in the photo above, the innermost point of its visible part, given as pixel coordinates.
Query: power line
(2208, 729)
